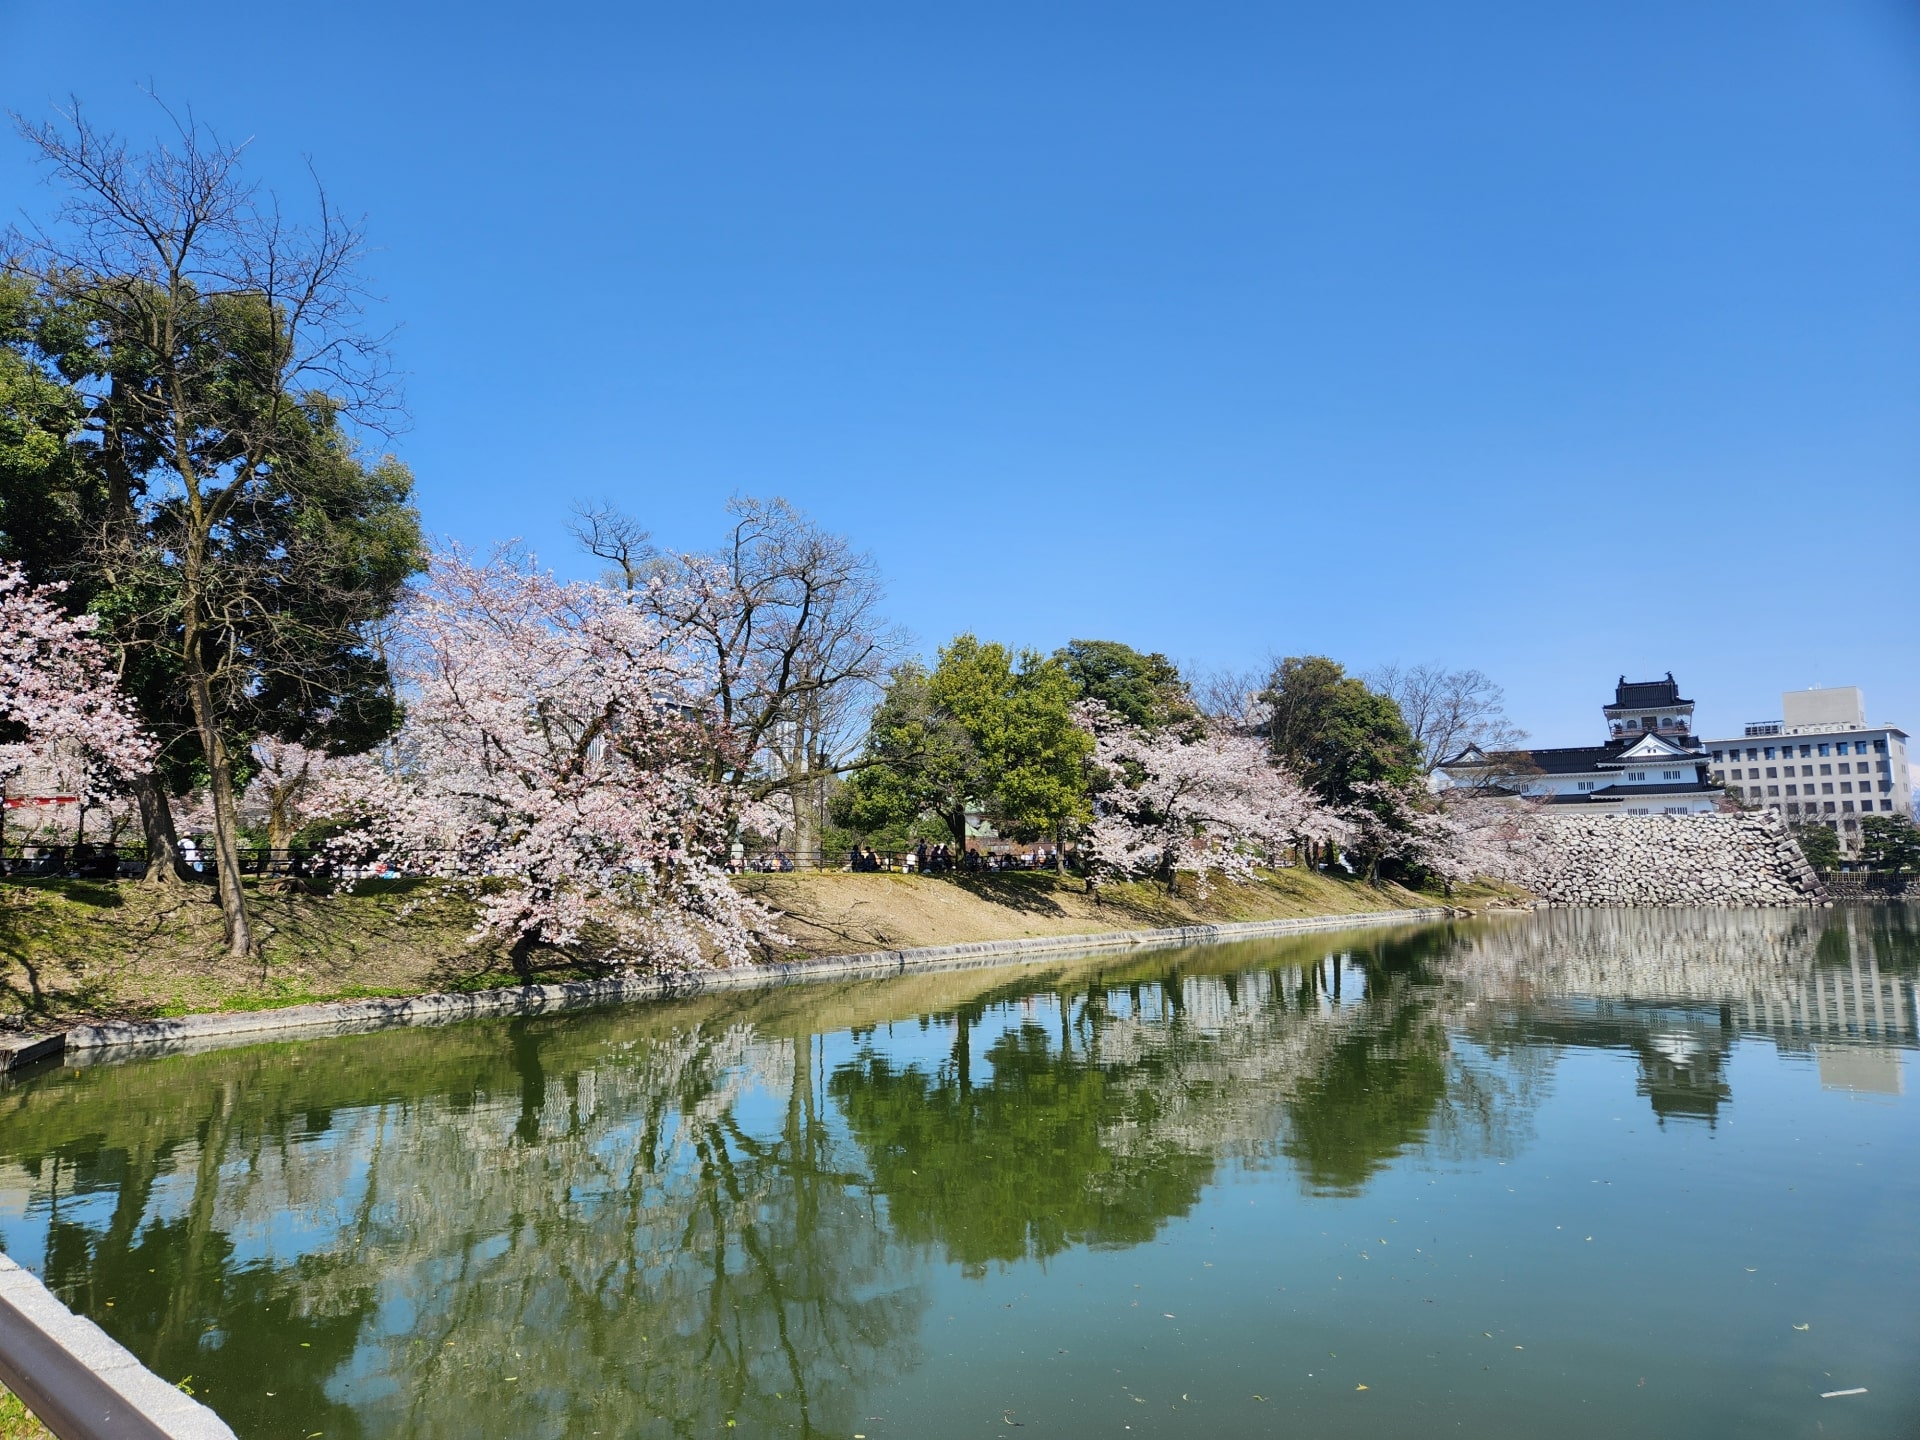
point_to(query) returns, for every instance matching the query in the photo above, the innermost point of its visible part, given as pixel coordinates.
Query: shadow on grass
(101, 894)
(1031, 894)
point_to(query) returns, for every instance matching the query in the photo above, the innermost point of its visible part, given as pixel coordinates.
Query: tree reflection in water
(664, 1221)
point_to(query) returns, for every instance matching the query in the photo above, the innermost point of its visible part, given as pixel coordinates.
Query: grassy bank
(71, 950)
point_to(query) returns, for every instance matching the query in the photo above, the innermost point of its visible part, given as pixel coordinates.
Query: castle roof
(1647, 694)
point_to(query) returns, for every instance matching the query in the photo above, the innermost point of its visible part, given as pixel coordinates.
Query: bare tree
(1447, 710)
(1230, 697)
(621, 541)
(786, 619)
(221, 333)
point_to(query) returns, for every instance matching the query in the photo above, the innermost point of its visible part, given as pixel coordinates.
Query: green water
(1577, 1174)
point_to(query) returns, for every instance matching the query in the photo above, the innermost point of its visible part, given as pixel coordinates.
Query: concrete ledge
(80, 1381)
(351, 1016)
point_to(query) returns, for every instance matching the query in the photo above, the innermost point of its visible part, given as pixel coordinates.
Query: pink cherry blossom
(1206, 798)
(555, 758)
(59, 684)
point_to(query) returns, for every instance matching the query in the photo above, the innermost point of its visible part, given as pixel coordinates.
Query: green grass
(17, 1422)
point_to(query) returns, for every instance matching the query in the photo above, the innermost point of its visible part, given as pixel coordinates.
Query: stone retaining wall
(1747, 859)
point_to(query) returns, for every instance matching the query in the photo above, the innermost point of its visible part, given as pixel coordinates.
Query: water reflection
(724, 1213)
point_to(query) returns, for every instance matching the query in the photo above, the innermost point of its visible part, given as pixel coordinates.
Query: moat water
(1571, 1174)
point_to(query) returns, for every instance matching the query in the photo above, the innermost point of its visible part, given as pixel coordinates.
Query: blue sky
(1556, 340)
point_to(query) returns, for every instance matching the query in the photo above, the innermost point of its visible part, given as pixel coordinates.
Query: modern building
(1820, 761)
(1651, 764)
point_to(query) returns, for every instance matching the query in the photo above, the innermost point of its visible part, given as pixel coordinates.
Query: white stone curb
(173, 1412)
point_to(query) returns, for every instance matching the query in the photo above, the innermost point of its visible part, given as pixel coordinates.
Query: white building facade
(1820, 762)
(1651, 763)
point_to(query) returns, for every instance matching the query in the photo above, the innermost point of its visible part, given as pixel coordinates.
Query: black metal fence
(1869, 884)
(89, 861)
(931, 861)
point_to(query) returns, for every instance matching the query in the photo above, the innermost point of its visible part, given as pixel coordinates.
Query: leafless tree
(621, 541)
(222, 319)
(1230, 697)
(1447, 710)
(786, 619)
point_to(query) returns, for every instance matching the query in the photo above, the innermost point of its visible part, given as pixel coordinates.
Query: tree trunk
(280, 818)
(957, 826)
(226, 838)
(1059, 852)
(164, 865)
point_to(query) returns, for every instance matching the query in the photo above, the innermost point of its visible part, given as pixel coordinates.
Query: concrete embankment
(344, 1016)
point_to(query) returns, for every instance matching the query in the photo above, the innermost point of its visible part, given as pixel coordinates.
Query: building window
(1845, 769)
(1772, 772)
(1675, 774)
(1824, 750)
(1826, 787)
(1829, 805)
(1633, 724)
(1846, 805)
(1859, 747)
(1846, 787)
(1769, 752)
(1886, 804)
(1793, 807)
(1806, 769)
(1773, 789)
(1793, 789)
(1753, 754)
(1879, 747)
(1826, 769)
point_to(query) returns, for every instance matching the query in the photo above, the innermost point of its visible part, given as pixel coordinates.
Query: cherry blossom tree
(1204, 798)
(284, 775)
(555, 759)
(59, 690)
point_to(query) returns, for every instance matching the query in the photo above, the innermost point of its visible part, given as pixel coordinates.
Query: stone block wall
(1746, 859)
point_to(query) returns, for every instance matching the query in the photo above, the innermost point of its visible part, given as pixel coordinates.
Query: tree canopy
(1335, 732)
(1145, 690)
(985, 728)
(204, 361)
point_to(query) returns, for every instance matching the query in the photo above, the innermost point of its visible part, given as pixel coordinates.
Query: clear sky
(1560, 340)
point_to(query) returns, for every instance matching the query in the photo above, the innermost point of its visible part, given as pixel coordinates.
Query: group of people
(85, 861)
(925, 859)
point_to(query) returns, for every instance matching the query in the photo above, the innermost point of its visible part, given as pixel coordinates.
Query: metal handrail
(70, 1399)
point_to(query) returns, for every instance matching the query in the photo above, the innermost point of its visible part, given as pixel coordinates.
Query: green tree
(1146, 690)
(1889, 842)
(918, 761)
(1334, 732)
(1818, 844)
(986, 728)
(1352, 747)
(1019, 715)
(237, 544)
